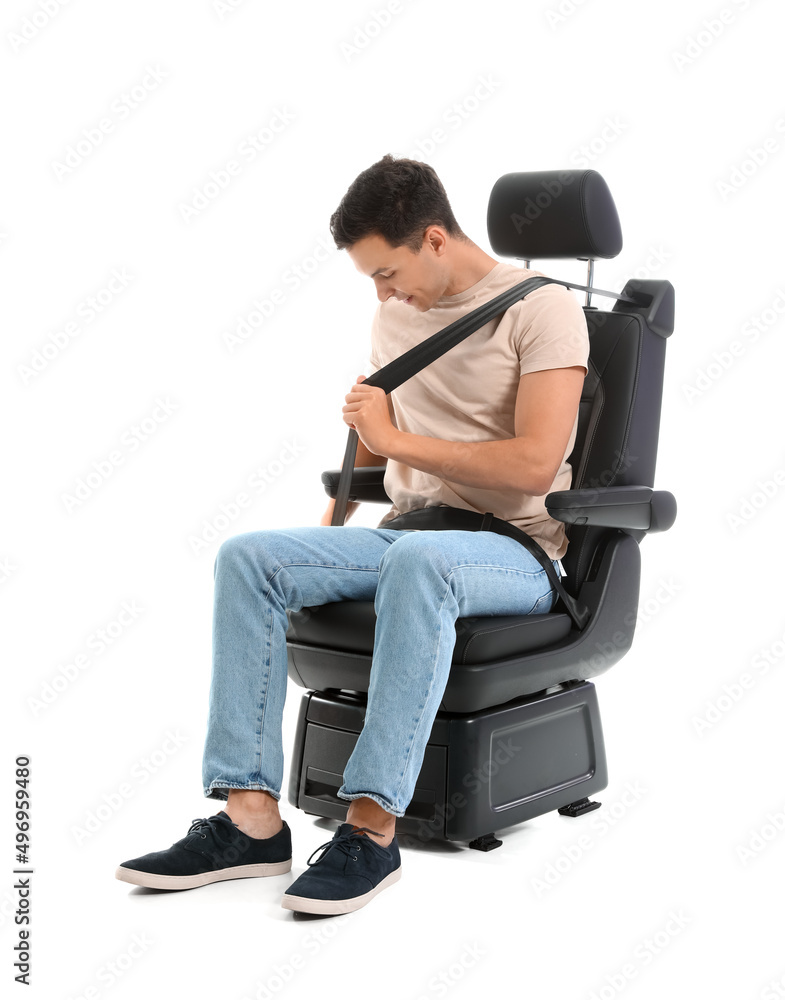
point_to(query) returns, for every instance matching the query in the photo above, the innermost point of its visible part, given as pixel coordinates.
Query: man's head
(397, 226)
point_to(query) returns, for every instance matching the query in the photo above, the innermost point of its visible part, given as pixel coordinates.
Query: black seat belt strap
(444, 517)
(487, 521)
(579, 613)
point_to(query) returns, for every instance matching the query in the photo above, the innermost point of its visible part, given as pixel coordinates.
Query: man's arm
(545, 410)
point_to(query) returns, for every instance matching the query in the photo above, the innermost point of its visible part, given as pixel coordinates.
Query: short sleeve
(550, 330)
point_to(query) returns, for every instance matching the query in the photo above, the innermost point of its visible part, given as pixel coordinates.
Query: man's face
(415, 279)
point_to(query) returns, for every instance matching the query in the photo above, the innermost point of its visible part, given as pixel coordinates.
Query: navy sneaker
(214, 849)
(353, 869)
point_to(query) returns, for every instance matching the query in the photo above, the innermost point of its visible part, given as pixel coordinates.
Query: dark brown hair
(394, 198)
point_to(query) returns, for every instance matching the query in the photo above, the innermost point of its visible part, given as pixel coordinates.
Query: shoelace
(213, 823)
(346, 843)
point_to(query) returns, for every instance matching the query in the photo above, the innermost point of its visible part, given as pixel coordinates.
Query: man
(488, 426)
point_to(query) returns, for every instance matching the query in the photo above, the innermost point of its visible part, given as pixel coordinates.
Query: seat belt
(414, 360)
(444, 518)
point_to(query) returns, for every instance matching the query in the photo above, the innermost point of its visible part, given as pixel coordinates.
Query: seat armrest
(367, 484)
(633, 508)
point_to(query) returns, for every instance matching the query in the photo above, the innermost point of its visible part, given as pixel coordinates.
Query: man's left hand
(367, 412)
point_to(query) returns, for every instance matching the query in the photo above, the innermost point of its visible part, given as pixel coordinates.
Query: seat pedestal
(481, 771)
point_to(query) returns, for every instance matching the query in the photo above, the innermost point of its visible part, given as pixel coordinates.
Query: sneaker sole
(152, 881)
(304, 904)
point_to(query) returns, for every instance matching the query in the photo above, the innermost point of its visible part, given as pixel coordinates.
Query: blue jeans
(420, 581)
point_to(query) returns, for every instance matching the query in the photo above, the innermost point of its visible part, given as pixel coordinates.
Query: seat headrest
(553, 213)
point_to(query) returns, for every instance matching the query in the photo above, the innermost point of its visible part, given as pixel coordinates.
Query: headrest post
(526, 264)
(589, 280)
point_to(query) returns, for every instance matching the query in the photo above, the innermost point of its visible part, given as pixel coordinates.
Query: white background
(672, 105)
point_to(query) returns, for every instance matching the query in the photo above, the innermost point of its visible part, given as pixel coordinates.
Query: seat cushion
(350, 625)
(331, 648)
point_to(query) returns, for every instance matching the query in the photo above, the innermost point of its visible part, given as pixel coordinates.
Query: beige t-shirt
(469, 393)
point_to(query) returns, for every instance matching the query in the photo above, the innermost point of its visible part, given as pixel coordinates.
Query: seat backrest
(619, 416)
(571, 214)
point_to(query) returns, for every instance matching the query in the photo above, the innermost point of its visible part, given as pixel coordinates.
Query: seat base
(481, 771)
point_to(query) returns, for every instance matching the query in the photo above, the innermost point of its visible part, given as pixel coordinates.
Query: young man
(488, 426)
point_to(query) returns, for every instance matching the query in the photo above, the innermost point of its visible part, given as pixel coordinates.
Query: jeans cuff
(371, 795)
(221, 792)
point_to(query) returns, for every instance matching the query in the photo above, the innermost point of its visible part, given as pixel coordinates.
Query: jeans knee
(228, 551)
(412, 550)
(240, 549)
